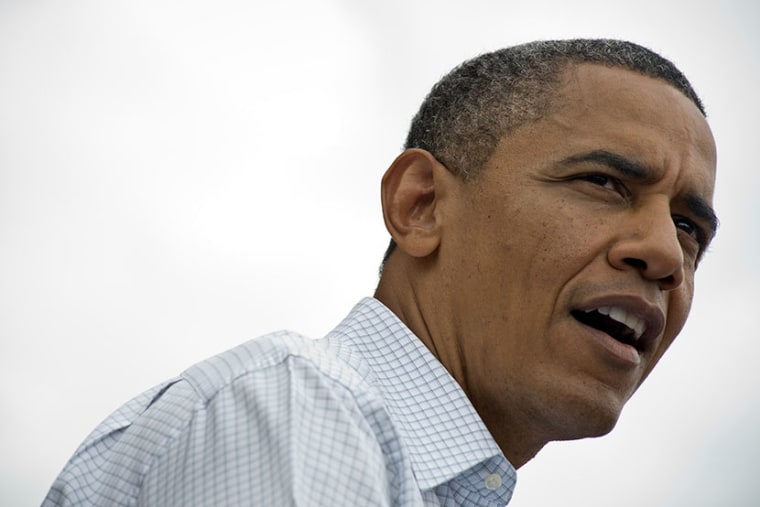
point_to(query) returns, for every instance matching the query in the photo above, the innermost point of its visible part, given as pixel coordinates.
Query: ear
(412, 188)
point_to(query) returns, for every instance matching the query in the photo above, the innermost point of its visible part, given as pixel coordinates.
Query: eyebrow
(619, 163)
(636, 171)
(699, 207)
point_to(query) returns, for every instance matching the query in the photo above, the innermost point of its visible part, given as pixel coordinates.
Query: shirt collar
(436, 421)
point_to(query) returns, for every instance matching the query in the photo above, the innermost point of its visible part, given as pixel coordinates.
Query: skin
(604, 201)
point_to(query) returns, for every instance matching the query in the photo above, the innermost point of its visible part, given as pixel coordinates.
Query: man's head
(476, 104)
(550, 277)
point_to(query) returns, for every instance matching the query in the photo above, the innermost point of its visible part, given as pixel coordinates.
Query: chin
(588, 428)
(587, 418)
(601, 427)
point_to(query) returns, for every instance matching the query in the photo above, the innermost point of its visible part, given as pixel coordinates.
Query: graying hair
(470, 109)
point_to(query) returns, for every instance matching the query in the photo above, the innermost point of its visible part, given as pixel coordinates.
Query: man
(547, 217)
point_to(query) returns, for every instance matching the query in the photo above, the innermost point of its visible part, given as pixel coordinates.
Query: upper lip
(651, 314)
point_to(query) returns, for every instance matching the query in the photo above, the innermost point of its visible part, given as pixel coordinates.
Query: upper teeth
(622, 316)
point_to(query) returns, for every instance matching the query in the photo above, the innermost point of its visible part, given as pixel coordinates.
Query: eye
(687, 226)
(691, 229)
(604, 181)
(601, 180)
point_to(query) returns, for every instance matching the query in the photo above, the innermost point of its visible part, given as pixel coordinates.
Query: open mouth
(615, 321)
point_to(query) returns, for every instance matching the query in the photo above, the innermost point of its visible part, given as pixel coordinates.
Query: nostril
(668, 283)
(635, 263)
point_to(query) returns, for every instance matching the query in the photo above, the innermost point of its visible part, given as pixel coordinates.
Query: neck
(407, 288)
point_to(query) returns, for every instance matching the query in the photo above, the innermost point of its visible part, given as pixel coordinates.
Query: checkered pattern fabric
(365, 416)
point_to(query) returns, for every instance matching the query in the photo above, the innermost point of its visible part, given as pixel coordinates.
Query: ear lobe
(411, 190)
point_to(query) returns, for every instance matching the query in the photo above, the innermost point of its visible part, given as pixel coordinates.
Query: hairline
(553, 96)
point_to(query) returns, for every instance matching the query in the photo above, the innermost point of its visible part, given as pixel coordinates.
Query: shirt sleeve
(282, 435)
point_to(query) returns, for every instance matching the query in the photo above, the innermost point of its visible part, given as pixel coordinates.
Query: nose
(648, 243)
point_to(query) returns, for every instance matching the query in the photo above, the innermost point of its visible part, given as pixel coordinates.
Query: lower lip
(625, 355)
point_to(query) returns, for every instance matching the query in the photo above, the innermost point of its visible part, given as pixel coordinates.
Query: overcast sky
(178, 177)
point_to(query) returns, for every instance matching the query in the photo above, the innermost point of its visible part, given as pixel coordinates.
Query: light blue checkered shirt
(364, 416)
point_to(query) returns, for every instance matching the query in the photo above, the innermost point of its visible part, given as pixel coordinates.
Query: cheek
(561, 247)
(679, 304)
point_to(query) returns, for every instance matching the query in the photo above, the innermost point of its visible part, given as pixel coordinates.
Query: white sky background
(178, 177)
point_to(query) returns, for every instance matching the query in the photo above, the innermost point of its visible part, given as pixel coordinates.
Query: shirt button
(492, 481)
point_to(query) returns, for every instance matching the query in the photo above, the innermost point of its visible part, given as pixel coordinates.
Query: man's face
(571, 258)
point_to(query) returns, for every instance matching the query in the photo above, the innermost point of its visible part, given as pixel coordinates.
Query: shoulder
(285, 378)
(271, 404)
(263, 356)
(287, 411)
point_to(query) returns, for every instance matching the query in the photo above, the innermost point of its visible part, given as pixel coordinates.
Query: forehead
(600, 93)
